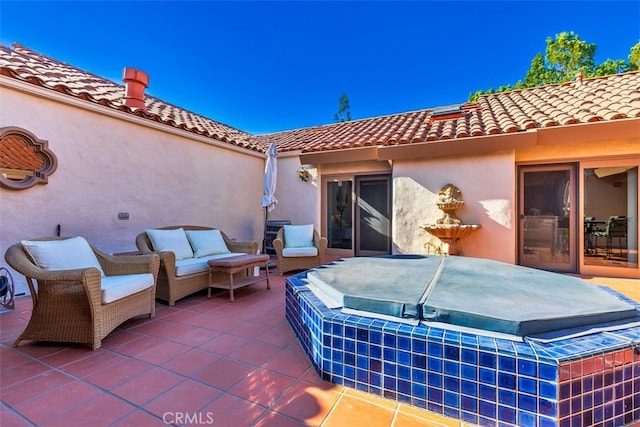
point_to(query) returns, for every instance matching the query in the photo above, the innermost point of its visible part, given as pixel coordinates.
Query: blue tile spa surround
(584, 381)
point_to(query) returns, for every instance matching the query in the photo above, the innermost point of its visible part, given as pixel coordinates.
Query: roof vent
(446, 112)
(136, 81)
(579, 76)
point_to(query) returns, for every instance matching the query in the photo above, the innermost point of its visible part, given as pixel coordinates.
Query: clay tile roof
(26, 65)
(608, 98)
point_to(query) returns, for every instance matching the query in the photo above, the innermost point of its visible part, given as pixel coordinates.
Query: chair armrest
(245, 247)
(320, 243)
(117, 265)
(278, 245)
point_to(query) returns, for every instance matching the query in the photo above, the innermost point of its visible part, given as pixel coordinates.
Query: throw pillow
(207, 242)
(67, 254)
(171, 240)
(298, 236)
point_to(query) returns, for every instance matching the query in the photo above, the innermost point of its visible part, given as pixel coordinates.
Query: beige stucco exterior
(111, 161)
(415, 191)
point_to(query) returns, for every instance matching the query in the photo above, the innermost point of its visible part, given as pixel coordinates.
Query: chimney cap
(133, 75)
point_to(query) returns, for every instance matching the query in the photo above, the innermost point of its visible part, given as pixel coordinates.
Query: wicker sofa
(79, 304)
(172, 285)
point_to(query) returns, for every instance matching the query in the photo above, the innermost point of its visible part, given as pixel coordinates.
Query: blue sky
(271, 66)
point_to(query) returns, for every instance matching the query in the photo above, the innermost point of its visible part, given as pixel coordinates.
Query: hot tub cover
(469, 292)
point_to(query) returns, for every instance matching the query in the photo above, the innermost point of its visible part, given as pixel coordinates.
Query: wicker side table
(235, 264)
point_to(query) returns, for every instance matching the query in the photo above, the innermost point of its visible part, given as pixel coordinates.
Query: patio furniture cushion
(300, 252)
(67, 254)
(298, 236)
(206, 242)
(113, 288)
(188, 266)
(171, 240)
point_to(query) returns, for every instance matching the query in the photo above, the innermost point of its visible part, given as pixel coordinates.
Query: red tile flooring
(203, 361)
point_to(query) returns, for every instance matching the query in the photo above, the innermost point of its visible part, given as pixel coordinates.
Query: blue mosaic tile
(389, 353)
(506, 380)
(479, 379)
(434, 394)
(434, 380)
(404, 343)
(527, 403)
(469, 388)
(468, 372)
(419, 346)
(451, 383)
(469, 356)
(487, 376)
(452, 352)
(469, 404)
(434, 349)
(434, 364)
(548, 389)
(418, 390)
(527, 385)
(451, 368)
(419, 376)
(487, 409)
(419, 361)
(487, 392)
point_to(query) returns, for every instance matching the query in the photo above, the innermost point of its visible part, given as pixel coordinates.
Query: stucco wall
(107, 166)
(298, 201)
(487, 184)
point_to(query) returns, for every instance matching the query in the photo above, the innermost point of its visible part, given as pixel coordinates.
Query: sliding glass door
(610, 220)
(357, 214)
(546, 217)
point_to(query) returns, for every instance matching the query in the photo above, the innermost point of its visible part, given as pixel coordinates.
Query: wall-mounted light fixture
(303, 174)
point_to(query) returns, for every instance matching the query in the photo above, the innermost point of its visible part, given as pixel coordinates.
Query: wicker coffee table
(235, 264)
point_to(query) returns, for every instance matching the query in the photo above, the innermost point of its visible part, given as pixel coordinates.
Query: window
(25, 160)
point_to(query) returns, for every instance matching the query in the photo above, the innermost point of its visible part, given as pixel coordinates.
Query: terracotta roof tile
(606, 98)
(23, 64)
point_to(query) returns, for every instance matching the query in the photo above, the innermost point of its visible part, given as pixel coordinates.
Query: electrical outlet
(123, 215)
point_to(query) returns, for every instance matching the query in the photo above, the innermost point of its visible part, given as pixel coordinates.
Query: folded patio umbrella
(270, 175)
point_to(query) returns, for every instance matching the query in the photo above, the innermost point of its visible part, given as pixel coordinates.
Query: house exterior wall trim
(38, 91)
(462, 147)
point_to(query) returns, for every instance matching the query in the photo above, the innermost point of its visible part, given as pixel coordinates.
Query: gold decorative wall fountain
(449, 229)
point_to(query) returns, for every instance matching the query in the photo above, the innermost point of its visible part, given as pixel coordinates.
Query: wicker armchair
(286, 263)
(171, 287)
(67, 304)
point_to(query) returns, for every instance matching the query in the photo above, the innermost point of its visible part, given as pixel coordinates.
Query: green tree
(634, 57)
(344, 111)
(565, 56)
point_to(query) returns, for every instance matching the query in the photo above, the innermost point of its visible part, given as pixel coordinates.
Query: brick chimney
(136, 81)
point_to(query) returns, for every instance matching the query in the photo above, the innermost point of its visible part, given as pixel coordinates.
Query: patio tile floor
(203, 361)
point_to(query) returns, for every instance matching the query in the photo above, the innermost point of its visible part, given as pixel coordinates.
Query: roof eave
(340, 156)
(458, 147)
(609, 130)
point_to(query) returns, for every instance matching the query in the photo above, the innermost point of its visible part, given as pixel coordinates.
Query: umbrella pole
(270, 264)
(264, 236)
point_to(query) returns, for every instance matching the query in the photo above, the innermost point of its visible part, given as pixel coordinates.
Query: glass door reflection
(610, 216)
(339, 214)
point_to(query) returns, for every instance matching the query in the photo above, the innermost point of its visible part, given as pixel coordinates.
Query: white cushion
(113, 288)
(67, 254)
(299, 252)
(207, 242)
(171, 240)
(188, 266)
(298, 236)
